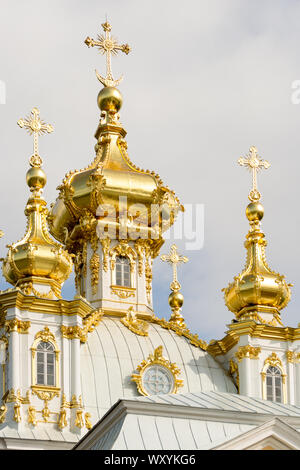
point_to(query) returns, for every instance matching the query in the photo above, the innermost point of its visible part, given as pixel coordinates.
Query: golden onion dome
(258, 292)
(111, 181)
(37, 259)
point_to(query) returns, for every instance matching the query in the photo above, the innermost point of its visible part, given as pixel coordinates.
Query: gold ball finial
(176, 300)
(110, 99)
(36, 178)
(254, 211)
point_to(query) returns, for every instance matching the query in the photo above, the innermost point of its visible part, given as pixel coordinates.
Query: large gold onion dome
(112, 179)
(257, 288)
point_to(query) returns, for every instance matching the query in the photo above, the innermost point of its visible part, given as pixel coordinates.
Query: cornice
(254, 330)
(15, 298)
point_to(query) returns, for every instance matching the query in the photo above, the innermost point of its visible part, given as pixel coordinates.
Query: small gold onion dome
(176, 300)
(110, 99)
(257, 285)
(36, 254)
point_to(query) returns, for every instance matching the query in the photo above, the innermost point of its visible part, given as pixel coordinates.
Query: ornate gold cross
(107, 45)
(254, 163)
(34, 125)
(174, 259)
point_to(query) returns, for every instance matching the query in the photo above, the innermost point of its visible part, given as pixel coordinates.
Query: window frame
(122, 272)
(273, 361)
(47, 337)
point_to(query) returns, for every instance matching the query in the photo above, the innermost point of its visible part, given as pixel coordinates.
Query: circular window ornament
(157, 375)
(157, 380)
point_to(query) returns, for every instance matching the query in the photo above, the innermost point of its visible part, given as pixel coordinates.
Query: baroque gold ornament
(160, 368)
(107, 45)
(139, 327)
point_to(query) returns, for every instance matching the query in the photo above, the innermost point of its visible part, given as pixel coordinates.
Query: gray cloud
(205, 80)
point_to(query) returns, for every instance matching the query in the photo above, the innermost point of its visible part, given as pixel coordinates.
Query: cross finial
(174, 259)
(34, 125)
(254, 163)
(107, 45)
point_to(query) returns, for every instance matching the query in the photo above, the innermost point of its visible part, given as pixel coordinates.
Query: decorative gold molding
(139, 327)
(156, 358)
(45, 392)
(71, 332)
(12, 397)
(105, 242)
(3, 411)
(17, 325)
(45, 335)
(87, 420)
(123, 292)
(62, 418)
(274, 361)
(122, 249)
(16, 298)
(89, 324)
(181, 331)
(247, 351)
(234, 372)
(293, 357)
(17, 413)
(79, 418)
(28, 289)
(32, 415)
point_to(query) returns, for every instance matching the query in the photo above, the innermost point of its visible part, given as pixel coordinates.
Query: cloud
(204, 82)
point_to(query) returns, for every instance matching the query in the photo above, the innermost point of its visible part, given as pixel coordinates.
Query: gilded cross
(107, 45)
(254, 163)
(174, 259)
(34, 125)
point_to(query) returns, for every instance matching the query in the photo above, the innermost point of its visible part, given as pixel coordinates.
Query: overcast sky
(205, 80)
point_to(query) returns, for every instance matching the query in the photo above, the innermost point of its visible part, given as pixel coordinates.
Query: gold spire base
(40, 287)
(260, 314)
(177, 319)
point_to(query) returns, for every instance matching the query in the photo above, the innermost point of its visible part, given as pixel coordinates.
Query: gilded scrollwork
(123, 292)
(105, 242)
(17, 325)
(95, 268)
(247, 351)
(181, 331)
(89, 324)
(139, 327)
(3, 411)
(32, 415)
(87, 419)
(122, 249)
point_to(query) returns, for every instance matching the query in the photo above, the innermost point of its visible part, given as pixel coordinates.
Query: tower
(258, 350)
(111, 215)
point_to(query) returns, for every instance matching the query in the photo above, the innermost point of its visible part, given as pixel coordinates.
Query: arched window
(122, 271)
(274, 384)
(45, 364)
